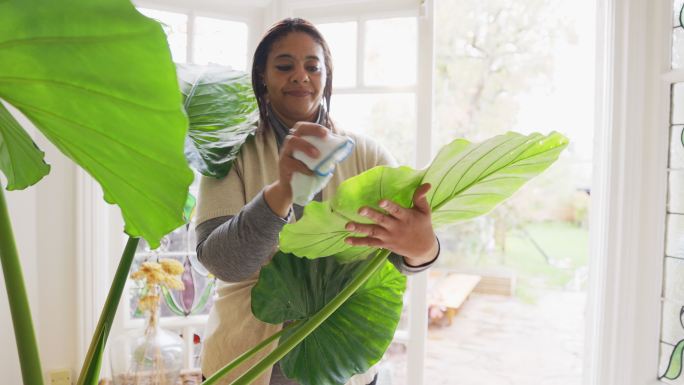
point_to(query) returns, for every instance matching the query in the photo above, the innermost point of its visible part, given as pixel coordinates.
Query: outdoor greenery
(488, 53)
(488, 58)
(566, 246)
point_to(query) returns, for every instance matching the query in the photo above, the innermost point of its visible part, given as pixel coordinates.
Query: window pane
(675, 202)
(341, 38)
(176, 241)
(390, 119)
(678, 103)
(220, 42)
(678, 47)
(392, 367)
(672, 334)
(197, 298)
(672, 326)
(677, 147)
(676, 10)
(674, 246)
(674, 279)
(391, 52)
(502, 66)
(176, 28)
(666, 350)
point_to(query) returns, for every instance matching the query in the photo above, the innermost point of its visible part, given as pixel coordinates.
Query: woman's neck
(291, 122)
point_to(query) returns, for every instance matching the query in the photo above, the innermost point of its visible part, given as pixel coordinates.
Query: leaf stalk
(27, 345)
(247, 355)
(310, 325)
(90, 371)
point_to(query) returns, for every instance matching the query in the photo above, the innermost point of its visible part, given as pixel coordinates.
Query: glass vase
(151, 356)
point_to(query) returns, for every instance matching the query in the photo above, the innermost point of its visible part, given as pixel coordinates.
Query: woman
(241, 215)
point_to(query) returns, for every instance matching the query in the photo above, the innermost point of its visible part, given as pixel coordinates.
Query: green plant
(223, 113)
(340, 294)
(96, 78)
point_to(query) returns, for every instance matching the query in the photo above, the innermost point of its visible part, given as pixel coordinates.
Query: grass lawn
(542, 255)
(565, 246)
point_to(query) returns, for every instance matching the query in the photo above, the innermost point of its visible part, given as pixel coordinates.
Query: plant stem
(91, 366)
(247, 355)
(314, 322)
(27, 346)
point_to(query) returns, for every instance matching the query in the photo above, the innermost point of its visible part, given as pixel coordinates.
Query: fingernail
(383, 204)
(348, 241)
(363, 211)
(350, 226)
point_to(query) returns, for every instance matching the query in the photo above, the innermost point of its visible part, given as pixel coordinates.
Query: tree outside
(498, 66)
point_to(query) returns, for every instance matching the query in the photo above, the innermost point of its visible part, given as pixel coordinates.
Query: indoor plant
(96, 78)
(104, 91)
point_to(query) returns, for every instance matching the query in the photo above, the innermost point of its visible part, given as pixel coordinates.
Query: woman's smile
(299, 93)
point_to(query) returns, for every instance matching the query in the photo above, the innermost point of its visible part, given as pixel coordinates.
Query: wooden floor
(498, 340)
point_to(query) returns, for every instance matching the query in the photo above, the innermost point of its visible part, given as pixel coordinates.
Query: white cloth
(332, 150)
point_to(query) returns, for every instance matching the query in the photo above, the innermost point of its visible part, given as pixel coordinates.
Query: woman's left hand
(403, 231)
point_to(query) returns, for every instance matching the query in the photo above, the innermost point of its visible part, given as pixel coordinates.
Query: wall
(43, 221)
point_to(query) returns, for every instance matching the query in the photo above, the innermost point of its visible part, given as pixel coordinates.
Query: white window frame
(628, 192)
(250, 13)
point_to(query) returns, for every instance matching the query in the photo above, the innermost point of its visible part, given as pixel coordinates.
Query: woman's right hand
(278, 194)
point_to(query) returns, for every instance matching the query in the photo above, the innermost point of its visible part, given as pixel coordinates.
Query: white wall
(43, 221)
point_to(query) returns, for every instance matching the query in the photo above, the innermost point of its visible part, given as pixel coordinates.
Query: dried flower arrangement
(154, 275)
(155, 356)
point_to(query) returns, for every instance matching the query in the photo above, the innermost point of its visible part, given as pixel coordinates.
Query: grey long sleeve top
(233, 248)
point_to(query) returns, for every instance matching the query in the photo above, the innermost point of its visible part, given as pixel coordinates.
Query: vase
(152, 356)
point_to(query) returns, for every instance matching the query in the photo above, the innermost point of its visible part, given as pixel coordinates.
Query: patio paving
(497, 340)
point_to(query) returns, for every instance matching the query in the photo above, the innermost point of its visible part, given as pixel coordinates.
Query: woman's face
(295, 77)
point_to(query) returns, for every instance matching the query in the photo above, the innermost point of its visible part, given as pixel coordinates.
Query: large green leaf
(396, 184)
(321, 230)
(20, 159)
(96, 78)
(467, 180)
(223, 113)
(353, 338)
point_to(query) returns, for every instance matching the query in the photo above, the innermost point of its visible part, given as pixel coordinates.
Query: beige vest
(232, 328)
